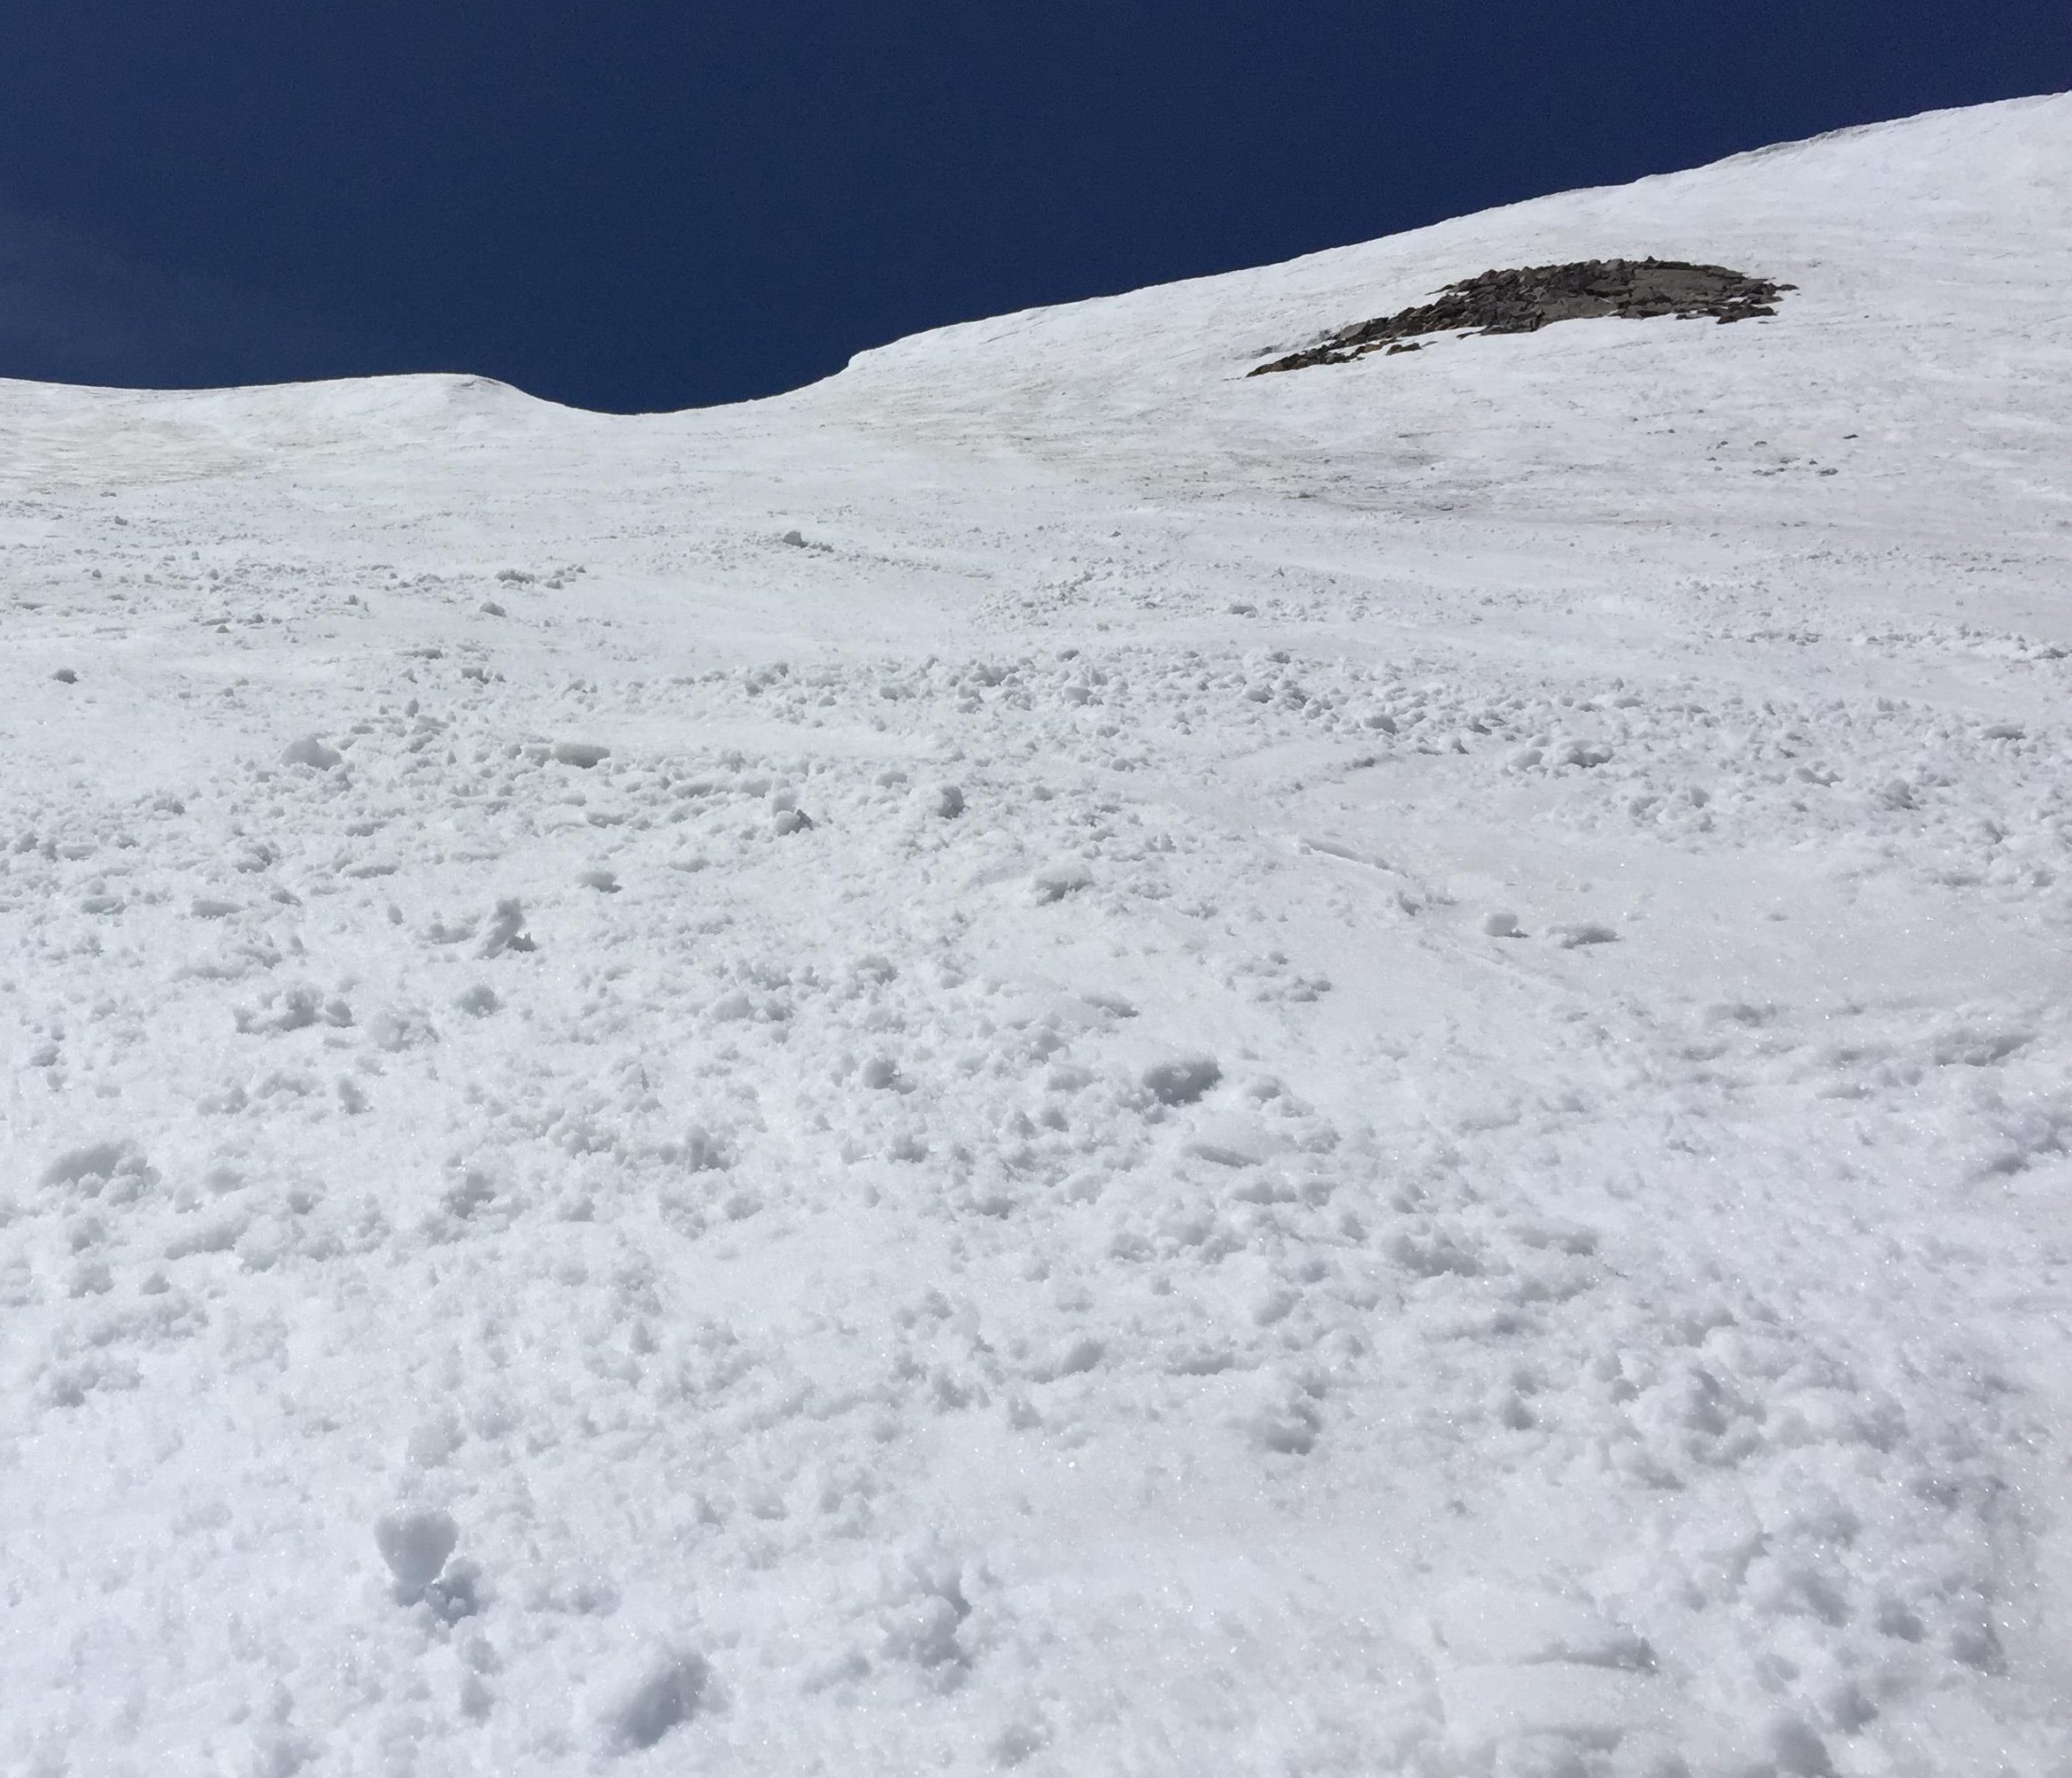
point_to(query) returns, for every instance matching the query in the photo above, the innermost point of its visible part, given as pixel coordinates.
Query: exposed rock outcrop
(1525, 300)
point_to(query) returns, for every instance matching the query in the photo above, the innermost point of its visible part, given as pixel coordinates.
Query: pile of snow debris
(1048, 1059)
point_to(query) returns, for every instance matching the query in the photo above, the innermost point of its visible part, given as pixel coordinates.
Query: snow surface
(1045, 1058)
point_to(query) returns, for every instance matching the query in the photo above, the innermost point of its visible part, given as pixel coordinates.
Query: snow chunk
(416, 1543)
(507, 929)
(97, 1164)
(1182, 1079)
(582, 754)
(398, 1028)
(292, 1009)
(1285, 1421)
(309, 751)
(1055, 882)
(1233, 1142)
(925, 1615)
(662, 1692)
(1074, 1359)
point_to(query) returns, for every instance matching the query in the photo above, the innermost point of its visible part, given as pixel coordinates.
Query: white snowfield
(1367, 1072)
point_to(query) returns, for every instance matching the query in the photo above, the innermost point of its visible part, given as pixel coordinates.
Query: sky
(652, 203)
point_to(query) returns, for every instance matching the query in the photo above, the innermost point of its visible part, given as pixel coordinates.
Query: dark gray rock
(1530, 297)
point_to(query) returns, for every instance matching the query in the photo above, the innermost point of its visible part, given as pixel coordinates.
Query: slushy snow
(1048, 1058)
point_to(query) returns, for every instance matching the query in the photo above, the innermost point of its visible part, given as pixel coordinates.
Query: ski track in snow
(1364, 1072)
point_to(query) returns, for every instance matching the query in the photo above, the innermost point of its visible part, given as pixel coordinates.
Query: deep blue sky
(630, 204)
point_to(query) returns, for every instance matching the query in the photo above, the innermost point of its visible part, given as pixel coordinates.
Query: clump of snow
(1180, 1080)
(309, 751)
(506, 931)
(95, 1167)
(1055, 882)
(659, 1693)
(416, 1543)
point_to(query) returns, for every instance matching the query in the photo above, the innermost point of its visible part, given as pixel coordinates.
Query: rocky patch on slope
(1525, 300)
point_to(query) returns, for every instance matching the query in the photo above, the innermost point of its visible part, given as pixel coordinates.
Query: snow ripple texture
(1046, 1059)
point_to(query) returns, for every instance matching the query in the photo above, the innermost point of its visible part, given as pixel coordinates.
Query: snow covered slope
(1366, 1071)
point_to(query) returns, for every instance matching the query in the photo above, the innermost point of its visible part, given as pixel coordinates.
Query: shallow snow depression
(1052, 1058)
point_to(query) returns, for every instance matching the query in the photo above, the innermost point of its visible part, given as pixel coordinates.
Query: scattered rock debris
(1526, 299)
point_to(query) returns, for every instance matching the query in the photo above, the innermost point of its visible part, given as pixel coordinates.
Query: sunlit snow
(1050, 1058)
